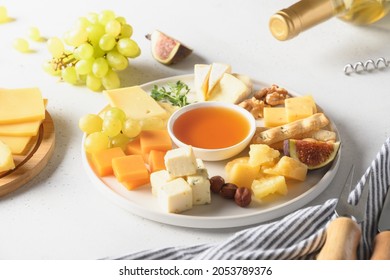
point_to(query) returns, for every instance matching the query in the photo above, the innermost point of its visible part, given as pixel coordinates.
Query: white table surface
(61, 215)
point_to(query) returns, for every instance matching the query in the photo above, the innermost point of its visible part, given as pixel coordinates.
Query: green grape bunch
(99, 45)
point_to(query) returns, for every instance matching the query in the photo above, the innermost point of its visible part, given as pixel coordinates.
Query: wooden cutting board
(28, 166)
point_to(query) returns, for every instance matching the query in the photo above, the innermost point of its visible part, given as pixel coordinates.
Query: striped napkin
(299, 235)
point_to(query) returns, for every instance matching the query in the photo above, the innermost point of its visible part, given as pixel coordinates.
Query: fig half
(315, 154)
(166, 49)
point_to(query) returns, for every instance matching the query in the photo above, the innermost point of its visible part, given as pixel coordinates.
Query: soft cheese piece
(159, 179)
(6, 159)
(216, 74)
(229, 89)
(17, 144)
(247, 81)
(21, 105)
(180, 162)
(200, 185)
(201, 80)
(135, 102)
(175, 196)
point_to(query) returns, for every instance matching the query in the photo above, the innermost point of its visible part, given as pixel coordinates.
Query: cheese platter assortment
(292, 156)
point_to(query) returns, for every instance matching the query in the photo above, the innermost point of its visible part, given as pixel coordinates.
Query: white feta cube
(200, 185)
(180, 162)
(175, 196)
(159, 179)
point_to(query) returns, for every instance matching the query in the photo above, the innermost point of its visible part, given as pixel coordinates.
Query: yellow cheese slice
(135, 102)
(18, 145)
(6, 159)
(21, 105)
(299, 107)
(274, 116)
(21, 129)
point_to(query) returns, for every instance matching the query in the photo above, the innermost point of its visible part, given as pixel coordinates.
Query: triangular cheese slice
(201, 80)
(229, 89)
(216, 73)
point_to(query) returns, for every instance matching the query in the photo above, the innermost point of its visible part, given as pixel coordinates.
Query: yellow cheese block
(6, 159)
(299, 107)
(136, 103)
(274, 116)
(21, 105)
(17, 144)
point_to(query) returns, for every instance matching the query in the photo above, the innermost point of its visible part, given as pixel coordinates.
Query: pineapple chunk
(6, 159)
(289, 168)
(269, 185)
(242, 173)
(261, 154)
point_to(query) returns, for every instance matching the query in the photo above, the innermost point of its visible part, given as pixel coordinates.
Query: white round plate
(221, 213)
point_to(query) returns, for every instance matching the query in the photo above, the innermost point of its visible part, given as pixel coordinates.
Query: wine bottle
(289, 22)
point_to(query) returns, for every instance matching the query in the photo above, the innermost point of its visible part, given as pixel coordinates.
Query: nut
(216, 183)
(243, 197)
(228, 190)
(254, 106)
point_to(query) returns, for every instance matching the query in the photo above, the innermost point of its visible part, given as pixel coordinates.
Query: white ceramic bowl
(214, 154)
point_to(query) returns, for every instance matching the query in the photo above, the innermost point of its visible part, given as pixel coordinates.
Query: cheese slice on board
(201, 80)
(17, 144)
(216, 74)
(21, 105)
(21, 129)
(6, 159)
(136, 103)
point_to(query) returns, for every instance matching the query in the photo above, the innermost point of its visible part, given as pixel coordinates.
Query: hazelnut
(228, 190)
(216, 183)
(243, 197)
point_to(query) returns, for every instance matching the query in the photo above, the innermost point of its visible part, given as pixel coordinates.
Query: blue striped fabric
(299, 235)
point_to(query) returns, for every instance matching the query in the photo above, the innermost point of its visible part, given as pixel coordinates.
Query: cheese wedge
(21, 105)
(17, 144)
(6, 159)
(229, 89)
(135, 102)
(216, 74)
(201, 80)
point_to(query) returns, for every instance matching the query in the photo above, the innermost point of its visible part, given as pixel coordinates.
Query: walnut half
(254, 106)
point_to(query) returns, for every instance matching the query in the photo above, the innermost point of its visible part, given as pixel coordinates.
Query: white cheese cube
(201, 168)
(175, 196)
(159, 179)
(180, 162)
(200, 185)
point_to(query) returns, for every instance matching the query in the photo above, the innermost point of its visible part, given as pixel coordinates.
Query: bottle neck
(303, 15)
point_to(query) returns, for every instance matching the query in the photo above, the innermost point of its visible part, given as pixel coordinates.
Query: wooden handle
(342, 240)
(381, 246)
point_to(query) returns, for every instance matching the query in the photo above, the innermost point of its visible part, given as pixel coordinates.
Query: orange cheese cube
(102, 160)
(155, 140)
(133, 184)
(133, 147)
(130, 168)
(156, 160)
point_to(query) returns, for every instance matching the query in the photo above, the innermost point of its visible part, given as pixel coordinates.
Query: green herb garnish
(176, 93)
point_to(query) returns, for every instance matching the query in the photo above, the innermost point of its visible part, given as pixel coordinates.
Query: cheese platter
(219, 213)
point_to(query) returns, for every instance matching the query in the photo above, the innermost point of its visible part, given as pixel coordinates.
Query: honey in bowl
(211, 127)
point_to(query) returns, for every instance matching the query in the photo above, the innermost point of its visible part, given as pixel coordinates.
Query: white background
(61, 215)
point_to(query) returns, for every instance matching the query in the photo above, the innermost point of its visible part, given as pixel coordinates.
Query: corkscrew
(366, 66)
